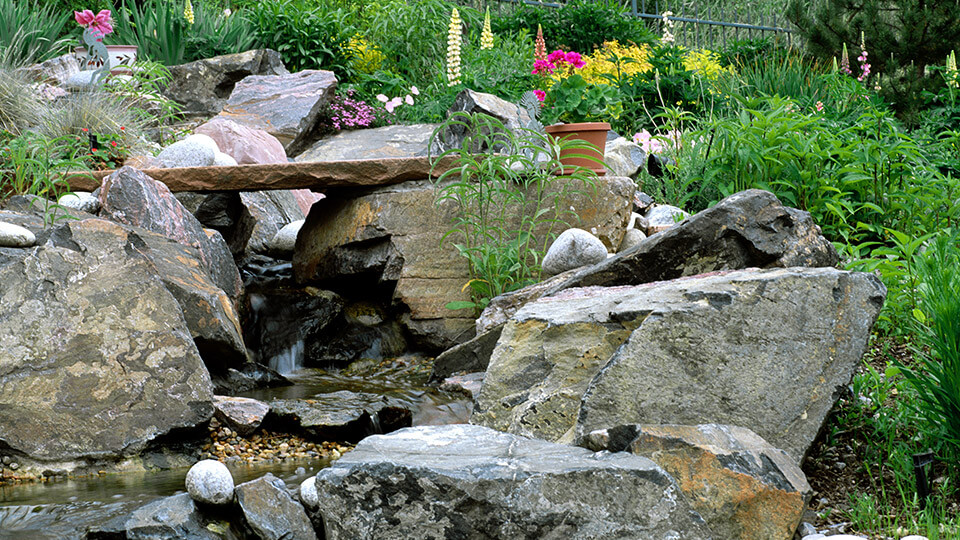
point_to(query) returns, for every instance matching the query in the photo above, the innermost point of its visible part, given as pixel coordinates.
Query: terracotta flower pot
(122, 58)
(593, 133)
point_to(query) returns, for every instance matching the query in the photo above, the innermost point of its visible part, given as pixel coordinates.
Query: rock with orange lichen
(741, 485)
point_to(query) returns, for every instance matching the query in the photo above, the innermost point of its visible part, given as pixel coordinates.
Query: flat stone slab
(316, 176)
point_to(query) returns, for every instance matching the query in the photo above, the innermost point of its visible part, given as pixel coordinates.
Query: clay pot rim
(577, 126)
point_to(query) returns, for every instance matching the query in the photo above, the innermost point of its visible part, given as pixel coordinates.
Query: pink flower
(541, 95)
(819, 106)
(393, 104)
(574, 59)
(414, 91)
(542, 67)
(382, 98)
(557, 57)
(409, 99)
(101, 24)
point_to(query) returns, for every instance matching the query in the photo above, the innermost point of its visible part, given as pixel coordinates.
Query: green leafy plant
(307, 35)
(98, 112)
(34, 165)
(937, 326)
(141, 93)
(507, 203)
(572, 99)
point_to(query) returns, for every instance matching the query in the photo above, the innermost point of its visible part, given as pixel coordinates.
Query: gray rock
(129, 196)
(308, 493)
(338, 416)
(468, 384)
(16, 236)
(56, 71)
(81, 80)
(461, 481)
(806, 529)
(285, 240)
(202, 87)
(631, 238)
(623, 157)
(210, 482)
(187, 154)
(240, 414)
(743, 487)
(661, 217)
(513, 117)
(271, 512)
(97, 359)
(222, 160)
(470, 356)
(750, 229)
(764, 349)
(285, 106)
(170, 518)
(641, 202)
(80, 200)
(269, 211)
(385, 142)
(572, 249)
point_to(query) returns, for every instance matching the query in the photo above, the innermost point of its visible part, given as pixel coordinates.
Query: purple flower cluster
(349, 113)
(864, 67)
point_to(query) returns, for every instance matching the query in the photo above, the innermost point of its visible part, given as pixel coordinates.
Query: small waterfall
(289, 360)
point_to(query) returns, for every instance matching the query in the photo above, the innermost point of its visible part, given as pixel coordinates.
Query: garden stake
(920, 462)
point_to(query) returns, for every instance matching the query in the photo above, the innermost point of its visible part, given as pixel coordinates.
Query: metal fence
(700, 24)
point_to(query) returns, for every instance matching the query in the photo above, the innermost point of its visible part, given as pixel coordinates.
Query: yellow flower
(453, 49)
(952, 76)
(486, 37)
(704, 63)
(188, 12)
(616, 61)
(365, 57)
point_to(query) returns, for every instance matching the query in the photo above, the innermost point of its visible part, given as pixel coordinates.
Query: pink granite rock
(286, 106)
(245, 144)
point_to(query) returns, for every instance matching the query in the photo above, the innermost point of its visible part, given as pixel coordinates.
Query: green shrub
(307, 35)
(579, 25)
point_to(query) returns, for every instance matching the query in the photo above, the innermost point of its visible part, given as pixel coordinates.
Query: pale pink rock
(306, 198)
(245, 144)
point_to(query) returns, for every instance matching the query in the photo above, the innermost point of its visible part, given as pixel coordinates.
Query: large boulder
(96, 359)
(244, 144)
(56, 71)
(623, 157)
(131, 197)
(397, 141)
(741, 485)
(461, 481)
(285, 106)
(271, 512)
(393, 234)
(769, 350)
(750, 229)
(202, 87)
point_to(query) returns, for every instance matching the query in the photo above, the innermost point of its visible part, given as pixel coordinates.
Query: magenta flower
(541, 95)
(101, 23)
(543, 67)
(574, 59)
(557, 57)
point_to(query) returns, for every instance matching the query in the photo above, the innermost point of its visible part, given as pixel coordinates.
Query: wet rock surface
(271, 512)
(764, 349)
(338, 416)
(466, 481)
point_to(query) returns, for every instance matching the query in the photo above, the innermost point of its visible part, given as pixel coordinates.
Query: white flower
(414, 91)
(409, 99)
(382, 98)
(453, 49)
(227, 12)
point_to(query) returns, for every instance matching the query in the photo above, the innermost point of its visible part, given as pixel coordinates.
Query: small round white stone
(15, 236)
(204, 140)
(80, 200)
(210, 482)
(223, 160)
(914, 537)
(286, 238)
(308, 493)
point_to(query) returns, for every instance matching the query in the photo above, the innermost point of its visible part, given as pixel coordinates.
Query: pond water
(64, 509)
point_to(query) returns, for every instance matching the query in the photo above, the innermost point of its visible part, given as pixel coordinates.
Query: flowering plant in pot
(575, 109)
(97, 56)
